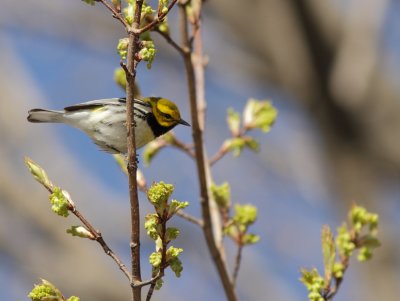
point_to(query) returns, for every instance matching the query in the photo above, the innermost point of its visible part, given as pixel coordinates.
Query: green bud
(151, 225)
(344, 241)
(122, 47)
(45, 291)
(173, 252)
(250, 238)
(73, 298)
(155, 259)
(159, 193)
(338, 270)
(148, 53)
(221, 194)
(364, 254)
(175, 206)
(38, 173)
(59, 200)
(259, 114)
(245, 214)
(164, 26)
(233, 120)
(312, 280)
(147, 10)
(80, 231)
(129, 12)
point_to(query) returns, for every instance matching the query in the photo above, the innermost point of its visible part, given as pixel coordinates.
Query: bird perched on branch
(104, 120)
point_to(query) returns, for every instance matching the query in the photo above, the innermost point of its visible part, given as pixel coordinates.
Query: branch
(170, 41)
(223, 150)
(200, 160)
(237, 264)
(130, 71)
(190, 218)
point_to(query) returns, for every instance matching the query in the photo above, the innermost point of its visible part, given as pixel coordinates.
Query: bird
(104, 120)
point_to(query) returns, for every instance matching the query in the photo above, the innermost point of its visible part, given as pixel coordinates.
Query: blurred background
(331, 67)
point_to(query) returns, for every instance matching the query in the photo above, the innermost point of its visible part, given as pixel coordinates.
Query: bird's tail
(40, 115)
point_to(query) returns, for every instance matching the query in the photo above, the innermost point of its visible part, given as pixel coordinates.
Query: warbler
(104, 120)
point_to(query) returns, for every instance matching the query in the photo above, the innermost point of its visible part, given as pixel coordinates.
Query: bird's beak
(183, 122)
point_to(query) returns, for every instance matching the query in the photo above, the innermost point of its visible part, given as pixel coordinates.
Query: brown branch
(200, 160)
(223, 150)
(188, 149)
(238, 260)
(116, 14)
(169, 40)
(130, 71)
(190, 218)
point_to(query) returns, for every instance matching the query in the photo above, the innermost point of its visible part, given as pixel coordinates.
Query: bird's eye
(167, 116)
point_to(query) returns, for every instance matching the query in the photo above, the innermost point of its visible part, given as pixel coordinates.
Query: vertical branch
(200, 158)
(130, 70)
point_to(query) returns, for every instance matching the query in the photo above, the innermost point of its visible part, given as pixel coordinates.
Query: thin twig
(117, 15)
(238, 260)
(219, 155)
(169, 39)
(201, 162)
(190, 218)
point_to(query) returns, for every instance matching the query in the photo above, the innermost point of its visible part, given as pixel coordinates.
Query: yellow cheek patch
(98, 109)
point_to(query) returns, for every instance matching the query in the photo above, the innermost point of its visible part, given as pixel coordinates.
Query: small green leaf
(171, 234)
(45, 291)
(235, 145)
(250, 238)
(369, 241)
(176, 266)
(59, 201)
(73, 298)
(251, 143)
(259, 114)
(233, 120)
(80, 231)
(159, 284)
(175, 206)
(173, 252)
(221, 194)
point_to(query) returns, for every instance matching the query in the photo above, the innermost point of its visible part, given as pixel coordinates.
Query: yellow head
(165, 111)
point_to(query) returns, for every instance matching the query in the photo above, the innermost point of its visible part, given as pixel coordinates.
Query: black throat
(157, 129)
